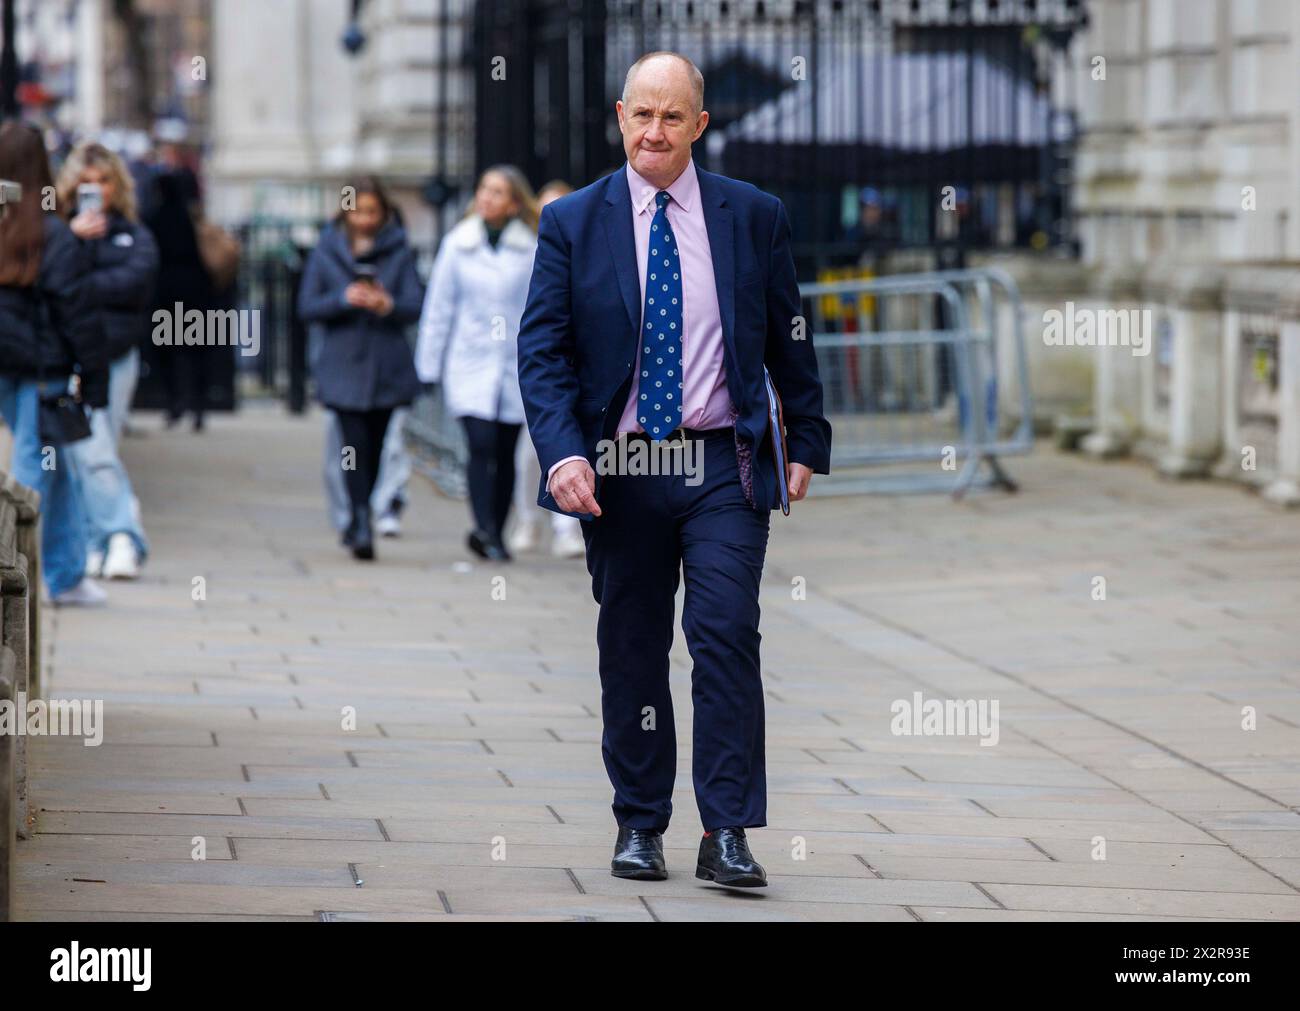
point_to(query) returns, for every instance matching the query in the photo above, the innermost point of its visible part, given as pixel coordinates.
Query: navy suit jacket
(579, 331)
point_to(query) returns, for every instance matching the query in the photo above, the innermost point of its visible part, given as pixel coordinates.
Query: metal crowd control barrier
(909, 367)
(909, 378)
(439, 443)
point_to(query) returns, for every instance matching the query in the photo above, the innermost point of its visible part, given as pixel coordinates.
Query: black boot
(487, 545)
(497, 550)
(363, 534)
(725, 858)
(639, 854)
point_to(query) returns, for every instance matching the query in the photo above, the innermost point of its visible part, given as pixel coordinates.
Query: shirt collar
(684, 189)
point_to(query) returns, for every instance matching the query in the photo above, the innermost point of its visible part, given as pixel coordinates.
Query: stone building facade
(294, 114)
(1188, 201)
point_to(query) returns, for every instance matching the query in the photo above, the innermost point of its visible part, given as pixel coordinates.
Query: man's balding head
(664, 61)
(661, 114)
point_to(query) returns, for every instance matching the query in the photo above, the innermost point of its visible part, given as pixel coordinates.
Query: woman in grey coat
(361, 286)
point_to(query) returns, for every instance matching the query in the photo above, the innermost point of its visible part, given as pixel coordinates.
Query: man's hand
(797, 477)
(573, 487)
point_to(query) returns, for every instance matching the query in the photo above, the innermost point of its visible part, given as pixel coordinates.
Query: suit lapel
(622, 243)
(720, 224)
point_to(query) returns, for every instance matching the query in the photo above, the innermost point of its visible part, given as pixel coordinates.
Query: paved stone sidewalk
(477, 735)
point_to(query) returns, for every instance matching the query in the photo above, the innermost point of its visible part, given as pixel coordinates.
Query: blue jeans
(123, 375)
(109, 501)
(52, 472)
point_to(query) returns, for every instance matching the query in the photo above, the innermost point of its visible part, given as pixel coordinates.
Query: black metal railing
(859, 115)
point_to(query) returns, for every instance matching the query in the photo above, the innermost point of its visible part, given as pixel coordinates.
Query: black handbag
(61, 417)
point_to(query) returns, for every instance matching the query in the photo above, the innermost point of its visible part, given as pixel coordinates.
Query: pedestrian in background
(471, 316)
(49, 330)
(566, 531)
(96, 190)
(360, 285)
(183, 278)
(388, 500)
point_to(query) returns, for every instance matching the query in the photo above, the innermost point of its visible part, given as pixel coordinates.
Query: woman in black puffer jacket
(95, 186)
(49, 330)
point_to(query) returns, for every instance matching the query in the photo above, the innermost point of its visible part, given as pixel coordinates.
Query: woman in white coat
(468, 340)
(566, 531)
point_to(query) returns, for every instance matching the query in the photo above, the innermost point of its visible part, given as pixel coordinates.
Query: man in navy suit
(658, 295)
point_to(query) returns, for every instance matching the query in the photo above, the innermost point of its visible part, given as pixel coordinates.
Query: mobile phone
(364, 273)
(90, 197)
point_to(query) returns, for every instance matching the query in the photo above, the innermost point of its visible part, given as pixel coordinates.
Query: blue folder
(776, 428)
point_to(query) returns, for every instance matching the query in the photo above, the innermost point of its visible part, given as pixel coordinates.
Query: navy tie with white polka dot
(659, 400)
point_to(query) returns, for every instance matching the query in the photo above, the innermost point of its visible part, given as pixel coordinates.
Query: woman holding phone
(123, 265)
(49, 330)
(471, 317)
(361, 287)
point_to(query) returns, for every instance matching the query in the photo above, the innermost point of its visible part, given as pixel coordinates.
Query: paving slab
(472, 724)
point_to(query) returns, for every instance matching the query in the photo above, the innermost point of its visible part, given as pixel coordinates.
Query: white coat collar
(471, 233)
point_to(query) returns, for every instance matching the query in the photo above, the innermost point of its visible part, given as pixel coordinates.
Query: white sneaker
(87, 593)
(388, 525)
(122, 560)
(568, 544)
(94, 563)
(523, 538)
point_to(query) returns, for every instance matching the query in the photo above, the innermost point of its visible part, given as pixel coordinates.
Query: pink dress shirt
(705, 400)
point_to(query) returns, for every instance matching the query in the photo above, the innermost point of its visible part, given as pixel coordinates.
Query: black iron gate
(540, 89)
(883, 124)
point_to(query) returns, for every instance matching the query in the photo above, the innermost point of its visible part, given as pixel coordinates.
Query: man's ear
(701, 124)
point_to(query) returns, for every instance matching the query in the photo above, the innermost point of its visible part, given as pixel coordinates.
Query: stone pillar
(1285, 488)
(1195, 412)
(1117, 383)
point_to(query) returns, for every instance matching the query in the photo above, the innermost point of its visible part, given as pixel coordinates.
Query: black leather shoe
(639, 854)
(363, 535)
(725, 859)
(486, 546)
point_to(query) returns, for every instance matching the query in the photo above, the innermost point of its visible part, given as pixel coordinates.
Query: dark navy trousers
(652, 531)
